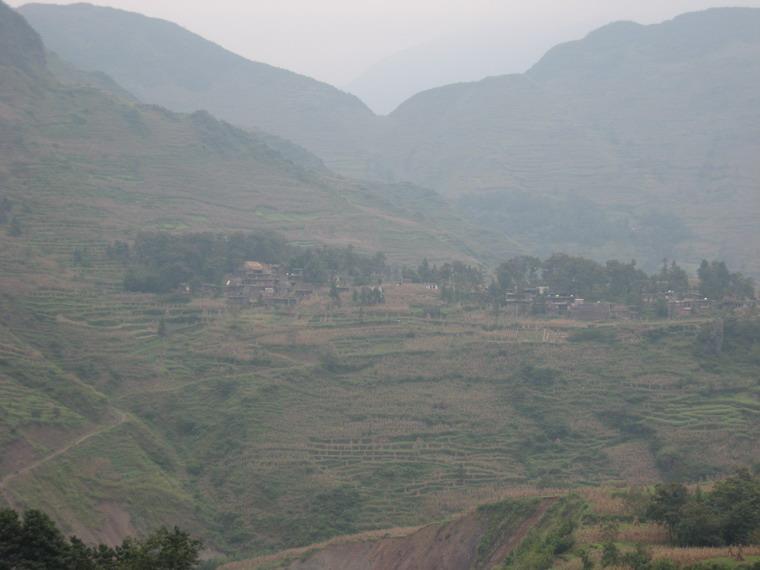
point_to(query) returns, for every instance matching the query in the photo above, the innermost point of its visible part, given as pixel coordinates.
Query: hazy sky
(337, 40)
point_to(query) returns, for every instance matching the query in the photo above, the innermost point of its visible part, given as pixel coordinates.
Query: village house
(261, 283)
(540, 300)
(689, 305)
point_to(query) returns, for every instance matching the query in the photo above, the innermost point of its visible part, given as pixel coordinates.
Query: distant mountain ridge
(162, 63)
(635, 119)
(70, 139)
(654, 128)
(19, 45)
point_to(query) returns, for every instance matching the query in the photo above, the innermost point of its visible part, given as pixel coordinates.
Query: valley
(234, 300)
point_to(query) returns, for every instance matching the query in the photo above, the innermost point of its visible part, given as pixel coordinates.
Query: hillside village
(256, 283)
(536, 301)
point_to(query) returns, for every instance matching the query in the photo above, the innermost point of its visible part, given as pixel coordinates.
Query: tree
(163, 550)
(741, 287)
(424, 272)
(504, 279)
(30, 542)
(666, 505)
(33, 542)
(729, 515)
(495, 294)
(714, 279)
(671, 278)
(519, 272)
(698, 525)
(625, 282)
(737, 502)
(575, 275)
(11, 539)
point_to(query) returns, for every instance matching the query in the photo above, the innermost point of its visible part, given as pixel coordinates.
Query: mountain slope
(638, 141)
(161, 63)
(79, 168)
(635, 119)
(20, 47)
(81, 155)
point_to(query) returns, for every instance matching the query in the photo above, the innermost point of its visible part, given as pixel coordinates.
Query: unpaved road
(120, 418)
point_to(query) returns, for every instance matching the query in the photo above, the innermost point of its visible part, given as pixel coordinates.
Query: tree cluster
(614, 281)
(160, 262)
(717, 282)
(457, 281)
(34, 542)
(728, 515)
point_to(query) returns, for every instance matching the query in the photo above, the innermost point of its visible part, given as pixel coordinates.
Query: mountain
(162, 63)
(636, 141)
(634, 120)
(128, 166)
(67, 74)
(82, 165)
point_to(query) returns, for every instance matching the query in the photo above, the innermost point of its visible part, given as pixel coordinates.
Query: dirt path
(120, 418)
(514, 540)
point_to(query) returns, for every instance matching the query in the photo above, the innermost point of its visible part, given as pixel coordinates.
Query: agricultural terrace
(267, 428)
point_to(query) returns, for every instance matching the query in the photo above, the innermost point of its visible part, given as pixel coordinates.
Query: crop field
(243, 424)
(606, 505)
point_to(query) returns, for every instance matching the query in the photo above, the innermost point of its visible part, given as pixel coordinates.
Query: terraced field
(244, 425)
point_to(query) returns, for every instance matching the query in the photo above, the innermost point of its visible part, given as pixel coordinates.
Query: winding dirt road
(120, 418)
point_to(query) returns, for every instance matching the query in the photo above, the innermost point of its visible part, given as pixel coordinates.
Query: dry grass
(602, 501)
(643, 533)
(694, 555)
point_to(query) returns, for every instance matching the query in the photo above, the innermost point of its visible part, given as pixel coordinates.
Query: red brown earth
(447, 546)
